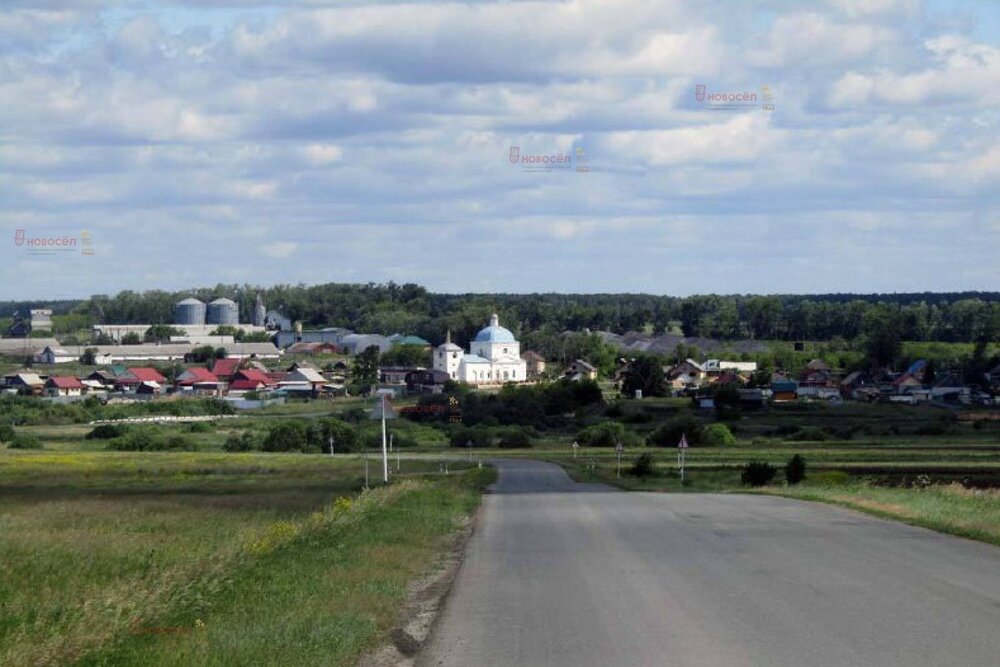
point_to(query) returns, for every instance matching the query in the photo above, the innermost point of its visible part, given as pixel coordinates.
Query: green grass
(115, 558)
(948, 508)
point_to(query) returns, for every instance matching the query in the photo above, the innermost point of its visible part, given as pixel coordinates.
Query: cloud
(281, 249)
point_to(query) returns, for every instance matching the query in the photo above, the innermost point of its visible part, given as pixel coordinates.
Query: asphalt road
(579, 575)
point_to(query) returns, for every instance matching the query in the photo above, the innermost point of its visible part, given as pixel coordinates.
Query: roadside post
(331, 445)
(468, 448)
(385, 453)
(576, 446)
(682, 447)
(383, 410)
(618, 451)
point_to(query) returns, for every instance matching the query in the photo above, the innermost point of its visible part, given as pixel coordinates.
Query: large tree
(646, 374)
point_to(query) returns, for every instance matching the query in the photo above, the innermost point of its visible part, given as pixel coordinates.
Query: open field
(138, 558)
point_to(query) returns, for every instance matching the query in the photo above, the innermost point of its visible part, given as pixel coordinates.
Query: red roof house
(133, 377)
(197, 375)
(250, 379)
(64, 385)
(225, 369)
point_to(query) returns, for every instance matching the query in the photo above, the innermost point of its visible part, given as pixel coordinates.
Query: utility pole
(385, 453)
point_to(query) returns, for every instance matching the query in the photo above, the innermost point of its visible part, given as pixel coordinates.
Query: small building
(783, 391)
(396, 375)
(719, 366)
(417, 341)
(29, 384)
(64, 385)
(906, 383)
(225, 369)
(426, 381)
(148, 388)
(55, 355)
(198, 379)
(251, 379)
(306, 375)
(105, 378)
(131, 379)
(312, 348)
(581, 370)
(535, 364)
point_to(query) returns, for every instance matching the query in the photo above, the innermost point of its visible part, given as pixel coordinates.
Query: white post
(385, 453)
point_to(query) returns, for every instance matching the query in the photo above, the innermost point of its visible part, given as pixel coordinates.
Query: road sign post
(618, 450)
(682, 447)
(576, 446)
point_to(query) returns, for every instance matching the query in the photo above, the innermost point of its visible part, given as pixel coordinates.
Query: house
(951, 389)
(426, 381)
(25, 383)
(54, 355)
(198, 379)
(225, 369)
(148, 388)
(312, 348)
(399, 339)
(535, 364)
(852, 383)
(250, 379)
(64, 385)
(357, 343)
(131, 379)
(306, 375)
(906, 383)
(105, 378)
(686, 375)
(817, 365)
(784, 390)
(396, 374)
(718, 366)
(581, 370)
(729, 377)
(41, 319)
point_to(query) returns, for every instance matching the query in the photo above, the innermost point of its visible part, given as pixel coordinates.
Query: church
(494, 357)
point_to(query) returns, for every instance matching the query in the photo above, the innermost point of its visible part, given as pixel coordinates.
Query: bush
(244, 442)
(199, 427)
(286, 436)
(795, 470)
(643, 466)
(718, 435)
(669, 434)
(142, 440)
(516, 438)
(812, 433)
(6, 433)
(757, 473)
(24, 441)
(478, 436)
(106, 432)
(606, 434)
(932, 429)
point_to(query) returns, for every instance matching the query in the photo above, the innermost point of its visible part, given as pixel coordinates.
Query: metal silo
(189, 311)
(223, 311)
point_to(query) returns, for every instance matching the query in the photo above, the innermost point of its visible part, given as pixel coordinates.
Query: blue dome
(495, 333)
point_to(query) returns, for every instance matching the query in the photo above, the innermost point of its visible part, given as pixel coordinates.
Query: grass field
(210, 559)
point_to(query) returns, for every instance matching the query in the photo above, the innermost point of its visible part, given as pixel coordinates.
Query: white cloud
(281, 249)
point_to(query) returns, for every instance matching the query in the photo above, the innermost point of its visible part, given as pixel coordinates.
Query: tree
(795, 469)
(645, 374)
(131, 338)
(161, 333)
(364, 376)
(407, 355)
(89, 356)
(882, 342)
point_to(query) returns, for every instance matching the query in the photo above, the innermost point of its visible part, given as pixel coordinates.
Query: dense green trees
(390, 308)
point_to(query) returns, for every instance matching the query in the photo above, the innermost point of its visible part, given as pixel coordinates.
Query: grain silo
(189, 311)
(223, 311)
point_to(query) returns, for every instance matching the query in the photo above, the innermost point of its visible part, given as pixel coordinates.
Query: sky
(662, 146)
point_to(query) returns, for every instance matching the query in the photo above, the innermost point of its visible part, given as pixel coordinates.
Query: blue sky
(265, 142)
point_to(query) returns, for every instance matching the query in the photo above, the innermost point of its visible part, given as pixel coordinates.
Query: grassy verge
(131, 559)
(948, 508)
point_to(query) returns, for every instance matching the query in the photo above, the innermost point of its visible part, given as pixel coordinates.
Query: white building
(494, 357)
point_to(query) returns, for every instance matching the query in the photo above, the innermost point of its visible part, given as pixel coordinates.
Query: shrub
(7, 432)
(669, 434)
(199, 427)
(142, 440)
(932, 429)
(286, 436)
(515, 438)
(25, 441)
(813, 433)
(106, 432)
(606, 434)
(718, 435)
(243, 442)
(795, 469)
(757, 473)
(830, 478)
(643, 465)
(478, 436)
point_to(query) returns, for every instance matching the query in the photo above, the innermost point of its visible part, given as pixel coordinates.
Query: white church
(494, 357)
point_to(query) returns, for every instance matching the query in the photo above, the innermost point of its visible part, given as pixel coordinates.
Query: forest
(966, 317)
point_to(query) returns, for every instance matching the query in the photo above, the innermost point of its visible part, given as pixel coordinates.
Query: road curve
(560, 573)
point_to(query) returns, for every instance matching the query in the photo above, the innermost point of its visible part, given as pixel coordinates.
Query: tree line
(409, 308)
